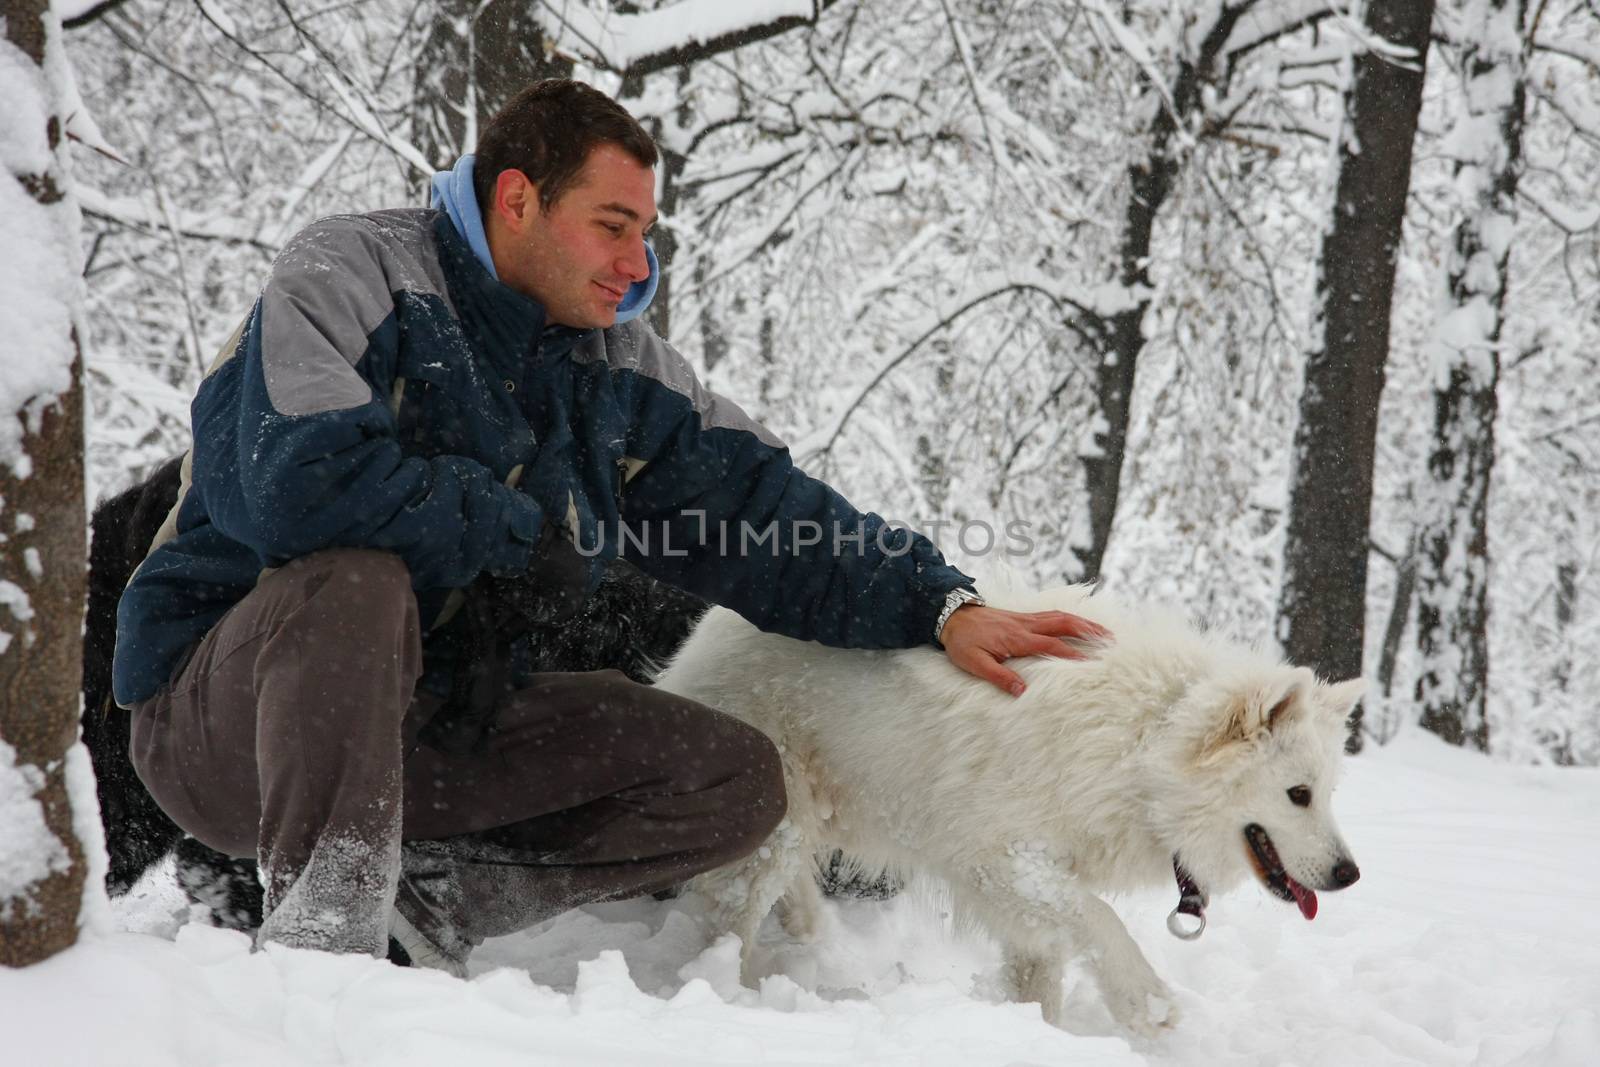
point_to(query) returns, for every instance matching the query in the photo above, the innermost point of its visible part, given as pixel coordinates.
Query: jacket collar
(508, 323)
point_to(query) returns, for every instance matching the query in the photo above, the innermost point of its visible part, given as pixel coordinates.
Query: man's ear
(515, 197)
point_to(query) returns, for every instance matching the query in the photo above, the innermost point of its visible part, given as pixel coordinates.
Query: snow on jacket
(386, 392)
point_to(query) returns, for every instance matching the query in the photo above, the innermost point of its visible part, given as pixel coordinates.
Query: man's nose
(634, 266)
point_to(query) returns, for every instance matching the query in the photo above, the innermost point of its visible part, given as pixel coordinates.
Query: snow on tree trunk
(1322, 606)
(1453, 583)
(42, 546)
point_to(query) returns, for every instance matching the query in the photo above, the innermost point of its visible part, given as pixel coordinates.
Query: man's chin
(588, 319)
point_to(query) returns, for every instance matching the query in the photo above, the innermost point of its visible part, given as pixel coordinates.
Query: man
(422, 402)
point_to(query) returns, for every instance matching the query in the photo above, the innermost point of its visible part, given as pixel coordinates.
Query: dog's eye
(1300, 796)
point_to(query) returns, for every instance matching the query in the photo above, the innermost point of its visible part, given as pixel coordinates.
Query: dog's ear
(1286, 708)
(1288, 700)
(1340, 698)
(1252, 716)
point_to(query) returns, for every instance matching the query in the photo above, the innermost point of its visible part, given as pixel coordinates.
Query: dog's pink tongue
(1305, 898)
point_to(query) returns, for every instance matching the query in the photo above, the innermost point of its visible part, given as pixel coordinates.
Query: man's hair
(547, 132)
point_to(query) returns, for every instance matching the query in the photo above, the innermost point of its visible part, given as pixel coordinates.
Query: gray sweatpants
(290, 735)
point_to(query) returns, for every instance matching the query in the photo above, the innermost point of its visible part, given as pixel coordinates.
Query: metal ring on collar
(1181, 930)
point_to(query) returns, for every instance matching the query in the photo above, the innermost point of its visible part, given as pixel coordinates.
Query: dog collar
(1192, 902)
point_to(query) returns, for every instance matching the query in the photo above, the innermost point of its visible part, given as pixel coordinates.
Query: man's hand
(979, 640)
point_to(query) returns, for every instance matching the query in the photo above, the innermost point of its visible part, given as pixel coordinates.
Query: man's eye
(612, 228)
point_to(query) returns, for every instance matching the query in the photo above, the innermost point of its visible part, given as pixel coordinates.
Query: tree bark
(1453, 583)
(42, 547)
(1322, 608)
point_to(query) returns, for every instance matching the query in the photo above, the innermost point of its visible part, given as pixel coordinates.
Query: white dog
(1168, 753)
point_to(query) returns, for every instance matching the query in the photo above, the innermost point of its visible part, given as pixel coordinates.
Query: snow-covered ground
(1472, 938)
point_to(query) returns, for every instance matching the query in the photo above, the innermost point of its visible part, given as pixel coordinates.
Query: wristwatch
(953, 600)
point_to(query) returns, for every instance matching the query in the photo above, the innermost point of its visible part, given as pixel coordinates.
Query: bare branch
(943, 324)
(103, 8)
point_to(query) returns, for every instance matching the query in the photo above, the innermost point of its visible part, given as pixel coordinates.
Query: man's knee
(351, 606)
(356, 589)
(366, 578)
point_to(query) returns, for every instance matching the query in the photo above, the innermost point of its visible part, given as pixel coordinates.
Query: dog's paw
(1145, 1008)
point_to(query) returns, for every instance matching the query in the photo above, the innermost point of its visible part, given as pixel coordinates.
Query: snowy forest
(1286, 312)
(1115, 271)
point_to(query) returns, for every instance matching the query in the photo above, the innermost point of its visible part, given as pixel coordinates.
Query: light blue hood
(453, 194)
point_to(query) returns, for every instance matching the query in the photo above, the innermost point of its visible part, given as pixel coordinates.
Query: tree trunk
(1405, 587)
(471, 63)
(1122, 334)
(42, 546)
(1322, 610)
(1564, 752)
(1453, 584)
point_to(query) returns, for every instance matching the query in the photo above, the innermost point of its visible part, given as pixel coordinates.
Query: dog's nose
(1345, 873)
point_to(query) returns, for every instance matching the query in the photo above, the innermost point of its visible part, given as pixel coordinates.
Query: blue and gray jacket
(387, 392)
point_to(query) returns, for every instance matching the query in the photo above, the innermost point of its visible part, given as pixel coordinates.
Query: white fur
(1029, 807)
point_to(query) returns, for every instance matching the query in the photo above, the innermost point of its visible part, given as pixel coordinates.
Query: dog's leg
(1136, 996)
(737, 904)
(1028, 900)
(1031, 977)
(742, 893)
(800, 910)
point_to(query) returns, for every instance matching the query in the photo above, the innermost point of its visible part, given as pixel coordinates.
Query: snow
(94, 914)
(1469, 939)
(40, 256)
(29, 852)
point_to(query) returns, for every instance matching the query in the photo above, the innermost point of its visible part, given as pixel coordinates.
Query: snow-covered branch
(1264, 23)
(125, 211)
(649, 41)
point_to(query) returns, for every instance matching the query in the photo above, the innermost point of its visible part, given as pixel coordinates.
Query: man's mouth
(614, 295)
(1270, 870)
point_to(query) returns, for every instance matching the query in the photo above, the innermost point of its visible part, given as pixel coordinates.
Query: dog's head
(1253, 758)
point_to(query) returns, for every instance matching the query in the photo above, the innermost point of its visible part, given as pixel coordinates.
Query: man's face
(579, 257)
